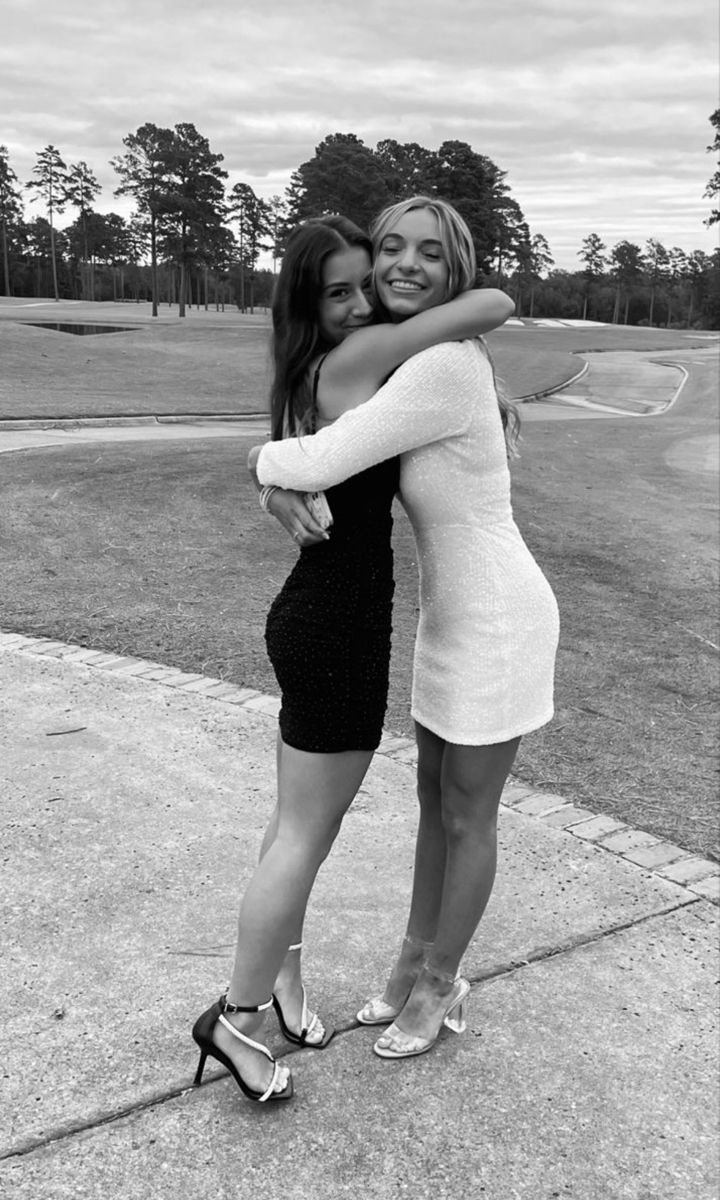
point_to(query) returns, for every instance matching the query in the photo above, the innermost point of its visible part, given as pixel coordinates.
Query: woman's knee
(429, 782)
(310, 841)
(429, 791)
(429, 767)
(327, 836)
(473, 778)
(469, 811)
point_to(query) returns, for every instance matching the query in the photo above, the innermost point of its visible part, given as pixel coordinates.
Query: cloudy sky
(598, 114)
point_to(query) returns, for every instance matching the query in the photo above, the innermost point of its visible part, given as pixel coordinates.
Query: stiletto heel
(202, 1034)
(302, 1038)
(201, 1067)
(377, 1011)
(395, 1043)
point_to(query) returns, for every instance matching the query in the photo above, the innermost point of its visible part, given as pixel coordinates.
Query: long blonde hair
(459, 250)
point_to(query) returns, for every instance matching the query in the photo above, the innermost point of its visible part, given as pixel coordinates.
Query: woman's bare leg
(314, 793)
(428, 874)
(271, 828)
(288, 984)
(472, 780)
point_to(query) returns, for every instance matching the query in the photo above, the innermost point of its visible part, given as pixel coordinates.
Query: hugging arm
(291, 510)
(429, 398)
(355, 369)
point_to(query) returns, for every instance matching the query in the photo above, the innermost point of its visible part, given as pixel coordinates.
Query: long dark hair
(297, 338)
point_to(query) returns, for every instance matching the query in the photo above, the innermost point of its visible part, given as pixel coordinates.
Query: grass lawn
(218, 363)
(153, 370)
(160, 550)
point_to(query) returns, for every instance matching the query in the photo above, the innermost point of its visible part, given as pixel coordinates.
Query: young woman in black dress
(328, 631)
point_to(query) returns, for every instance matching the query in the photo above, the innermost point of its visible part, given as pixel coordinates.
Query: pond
(77, 328)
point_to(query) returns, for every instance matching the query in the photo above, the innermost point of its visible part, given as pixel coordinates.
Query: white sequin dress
(488, 628)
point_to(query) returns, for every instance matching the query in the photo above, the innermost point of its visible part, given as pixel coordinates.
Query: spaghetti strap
(316, 376)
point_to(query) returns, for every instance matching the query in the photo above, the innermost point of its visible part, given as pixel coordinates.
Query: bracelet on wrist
(265, 495)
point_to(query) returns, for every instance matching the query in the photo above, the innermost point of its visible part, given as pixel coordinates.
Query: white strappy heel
(395, 1043)
(306, 1029)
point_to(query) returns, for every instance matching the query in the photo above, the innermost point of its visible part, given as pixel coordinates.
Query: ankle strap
(227, 1007)
(443, 976)
(416, 941)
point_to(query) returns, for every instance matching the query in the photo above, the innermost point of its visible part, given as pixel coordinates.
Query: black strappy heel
(301, 1039)
(202, 1034)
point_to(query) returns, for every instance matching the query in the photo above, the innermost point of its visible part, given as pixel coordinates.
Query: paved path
(73, 433)
(135, 798)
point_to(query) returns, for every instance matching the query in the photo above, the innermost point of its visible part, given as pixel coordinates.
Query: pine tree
(627, 263)
(145, 173)
(592, 254)
(254, 221)
(712, 191)
(51, 173)
(193, 207)
(79, 190)
(345, 177)
(10, 211)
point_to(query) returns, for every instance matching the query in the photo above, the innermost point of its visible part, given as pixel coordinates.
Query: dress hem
(339, 746)
(484, 739)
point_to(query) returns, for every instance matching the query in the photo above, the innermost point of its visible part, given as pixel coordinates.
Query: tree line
(192, 239)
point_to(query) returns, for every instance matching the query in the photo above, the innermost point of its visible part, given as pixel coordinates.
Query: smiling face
(411, 269)
(345, 300)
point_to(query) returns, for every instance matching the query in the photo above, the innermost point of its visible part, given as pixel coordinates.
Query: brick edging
(700, 876)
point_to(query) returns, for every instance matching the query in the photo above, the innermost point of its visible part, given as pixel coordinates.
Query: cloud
(599, 117)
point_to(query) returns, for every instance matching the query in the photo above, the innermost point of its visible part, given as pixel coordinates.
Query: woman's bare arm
(355, 369)
(430, 398)
(290, 509)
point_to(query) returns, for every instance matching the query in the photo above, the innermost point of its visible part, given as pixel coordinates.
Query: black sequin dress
(328, 630)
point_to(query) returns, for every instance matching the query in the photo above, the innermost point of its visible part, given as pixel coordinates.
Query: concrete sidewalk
(136, 798)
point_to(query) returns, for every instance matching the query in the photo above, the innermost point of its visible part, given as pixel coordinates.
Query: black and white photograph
(359, 635)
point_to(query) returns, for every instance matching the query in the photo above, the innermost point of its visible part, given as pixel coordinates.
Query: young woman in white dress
(488, 627)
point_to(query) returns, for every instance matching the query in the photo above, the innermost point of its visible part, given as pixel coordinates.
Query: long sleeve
(429, 398)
